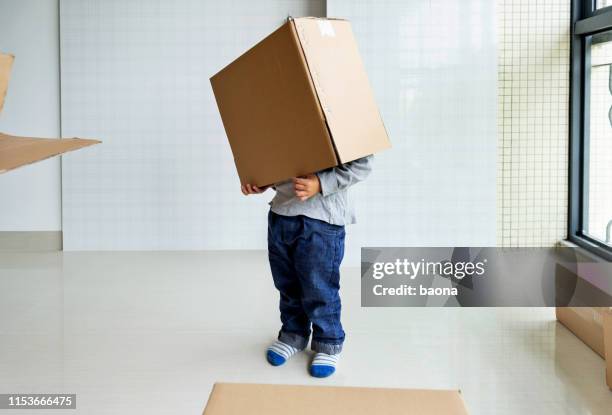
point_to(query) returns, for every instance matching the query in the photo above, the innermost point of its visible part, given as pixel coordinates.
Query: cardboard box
(298, 102)
(20, 151)
(592, 325)
(607, 329)
(586, 323)
(243, 399)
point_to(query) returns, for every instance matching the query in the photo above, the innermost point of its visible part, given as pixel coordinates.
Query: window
(603, 3)
(598, 205)
(590, 216)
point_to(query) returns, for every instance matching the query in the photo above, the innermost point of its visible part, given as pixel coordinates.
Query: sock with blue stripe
(280, 352)
(323, 365)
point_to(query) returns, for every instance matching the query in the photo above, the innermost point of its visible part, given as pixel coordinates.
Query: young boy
(305, 247)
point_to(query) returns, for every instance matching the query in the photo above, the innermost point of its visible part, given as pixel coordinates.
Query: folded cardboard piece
(6, 61)
(242, 399)
(20, 151)
(607, 328)
(298, 102)
(592, 325)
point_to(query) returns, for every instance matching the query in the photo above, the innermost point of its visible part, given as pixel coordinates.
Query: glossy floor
(149, 333)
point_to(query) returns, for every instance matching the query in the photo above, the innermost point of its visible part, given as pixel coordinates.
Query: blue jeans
(305, 256)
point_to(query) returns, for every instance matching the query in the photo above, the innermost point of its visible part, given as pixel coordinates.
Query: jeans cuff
(326, 347)
(293, 339)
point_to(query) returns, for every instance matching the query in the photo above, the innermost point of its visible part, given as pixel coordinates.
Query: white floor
(149, 333)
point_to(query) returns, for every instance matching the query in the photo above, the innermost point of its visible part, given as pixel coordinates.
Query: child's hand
(248, 189)
(306, 186)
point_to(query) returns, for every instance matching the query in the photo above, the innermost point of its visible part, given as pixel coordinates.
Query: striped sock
(280, 352)
(323, 365)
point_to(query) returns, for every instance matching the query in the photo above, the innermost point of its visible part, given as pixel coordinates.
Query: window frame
(586, 20)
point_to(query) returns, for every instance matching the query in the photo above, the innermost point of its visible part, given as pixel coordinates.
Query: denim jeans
(305, 256)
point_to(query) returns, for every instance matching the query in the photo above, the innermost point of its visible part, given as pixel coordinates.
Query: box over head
(298, 102)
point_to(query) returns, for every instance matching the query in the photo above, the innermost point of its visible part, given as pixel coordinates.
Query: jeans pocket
(332, 229)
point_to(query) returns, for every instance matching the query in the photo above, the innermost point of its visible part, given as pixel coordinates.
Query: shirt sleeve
(341, 177)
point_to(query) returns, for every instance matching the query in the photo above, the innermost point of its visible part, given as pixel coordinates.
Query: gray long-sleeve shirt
(332, 205)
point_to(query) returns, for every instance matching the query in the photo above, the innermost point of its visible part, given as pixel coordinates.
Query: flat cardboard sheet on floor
(298, 102)
(20, 151)
(251, 399)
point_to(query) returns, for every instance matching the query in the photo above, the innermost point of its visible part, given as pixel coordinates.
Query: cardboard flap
(6, 62)
(240, 399)
(342, 87)
(19, 151)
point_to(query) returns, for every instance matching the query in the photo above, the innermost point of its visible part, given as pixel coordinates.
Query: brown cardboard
(20, 151)
(270, 112)
(586, 324)
(6, 62)
(607, 324)
(243, 399)
(592, 325)
(298, 102)
(342, 87)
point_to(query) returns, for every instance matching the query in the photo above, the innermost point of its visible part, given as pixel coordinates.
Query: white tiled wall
(30, 196)
(533, 86)
(432, 65)
(170, 184)
(135, 75)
